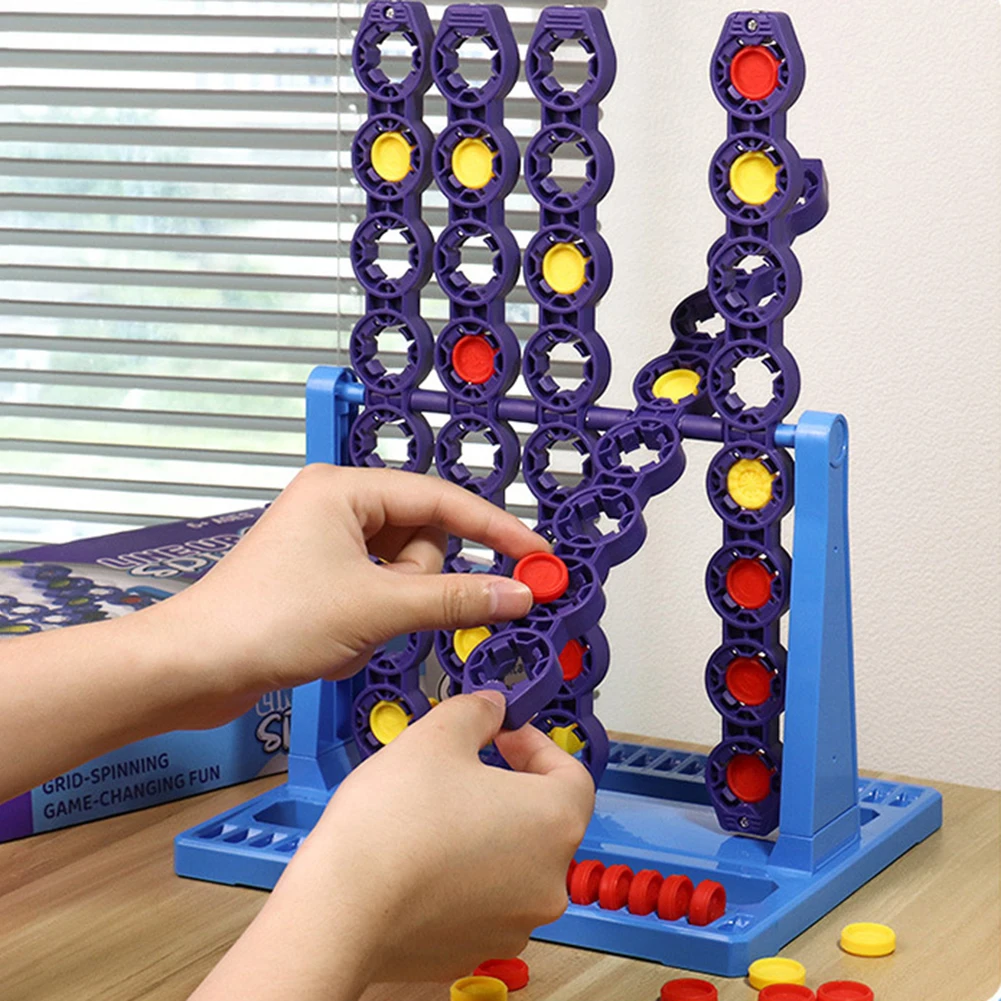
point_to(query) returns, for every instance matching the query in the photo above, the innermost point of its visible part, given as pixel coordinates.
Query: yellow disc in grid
(478, 989)
(465, 641)
(11, 563)
(749, 483)
(564, 268)
(752, 177)
(676, 385)
(14, 629)
(387, 721)
(391, 156)
(565, 737)
(473, 163)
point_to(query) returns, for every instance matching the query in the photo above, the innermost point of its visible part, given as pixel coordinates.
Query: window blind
(176, 207)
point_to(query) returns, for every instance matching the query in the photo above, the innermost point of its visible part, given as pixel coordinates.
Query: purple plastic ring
(365, 254)
(449, 454)
(520, 663)
(501, 244)
(363, 440)
(599, 167)
(364, 351)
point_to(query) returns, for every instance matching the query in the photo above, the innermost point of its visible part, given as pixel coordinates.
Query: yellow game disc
(775, 970)
(564, 268)
(387, 721)
(749, 483)
(752, 178)
(473, 163)
(465, 641)
(867, 939)
(565, 737)
(676, 385)
(478, 989)
(11, 563)
(391, 156)
(14, 629)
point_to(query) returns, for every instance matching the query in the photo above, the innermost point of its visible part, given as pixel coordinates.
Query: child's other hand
(299, 598)
(426, 861)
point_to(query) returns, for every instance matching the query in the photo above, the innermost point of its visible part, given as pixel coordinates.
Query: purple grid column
(475, 163)
(757, 179)
(391, 158)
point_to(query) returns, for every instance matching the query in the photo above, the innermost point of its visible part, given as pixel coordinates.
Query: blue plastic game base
(652, 812)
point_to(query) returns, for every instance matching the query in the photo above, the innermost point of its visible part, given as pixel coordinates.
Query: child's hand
(425, 863)
(299, 598)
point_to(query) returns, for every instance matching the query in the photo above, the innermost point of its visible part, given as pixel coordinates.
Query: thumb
(454, 601)
(469, 722)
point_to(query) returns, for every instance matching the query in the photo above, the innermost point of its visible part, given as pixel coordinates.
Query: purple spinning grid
(753, 281)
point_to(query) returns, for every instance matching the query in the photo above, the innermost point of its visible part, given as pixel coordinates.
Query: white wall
(898, 327)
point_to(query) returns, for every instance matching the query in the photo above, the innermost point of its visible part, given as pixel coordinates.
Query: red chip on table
(844, 990)
(513, 973)
(688, 989)
(786, 992)
(545, 574)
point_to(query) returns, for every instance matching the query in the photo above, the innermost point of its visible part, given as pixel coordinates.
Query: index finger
(389, 496)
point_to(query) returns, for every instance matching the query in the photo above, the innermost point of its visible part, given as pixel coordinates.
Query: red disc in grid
(749, 778)
(749, 681)
(844, 990)
(473, 359)
(513, 973)
(754, 71)
(614, 889)
(644, 891)
(708, 903)
(586, 881)
(688, 989)
(749, 583)
(572, 659)
(545, 574)
(570, 871)
(674, 898)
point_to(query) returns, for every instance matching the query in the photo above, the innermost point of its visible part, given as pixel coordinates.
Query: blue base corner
(652, 813)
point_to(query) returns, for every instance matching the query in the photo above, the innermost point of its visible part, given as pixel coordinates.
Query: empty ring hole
(571, 64)
(396, 58)
(754, 381)
(475, 61)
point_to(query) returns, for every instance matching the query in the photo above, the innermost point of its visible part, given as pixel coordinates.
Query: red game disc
(786, 992)
(570, 871)
(708, 903)
(749, 681)
(586, 881)
(749, 778)
(614, 889)
(749, 583)
(645, 891)
(512, 972)
(844, 990)
(473, 359)
(545, 574)
(572, 659)
(754, 71)
(674, 898)
(688, 989)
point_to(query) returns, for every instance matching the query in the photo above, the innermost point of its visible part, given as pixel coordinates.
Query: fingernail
(492, 695)
(509, 599)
